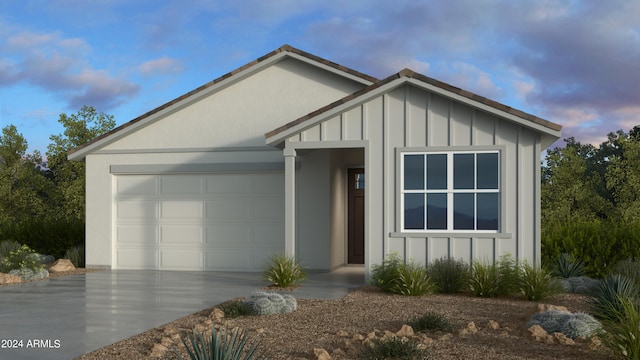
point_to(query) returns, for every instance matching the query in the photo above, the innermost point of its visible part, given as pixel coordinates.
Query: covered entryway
(355, 193)
(224, 221)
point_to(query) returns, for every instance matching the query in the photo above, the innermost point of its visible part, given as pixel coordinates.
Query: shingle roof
(284, 48)
(407, 73)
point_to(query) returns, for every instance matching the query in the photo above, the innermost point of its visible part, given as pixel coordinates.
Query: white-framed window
(457, 191)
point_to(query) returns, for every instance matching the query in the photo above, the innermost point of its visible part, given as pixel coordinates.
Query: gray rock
(45, 259)
(27, 274)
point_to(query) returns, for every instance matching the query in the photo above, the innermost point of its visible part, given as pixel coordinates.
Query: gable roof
(285, 51)
(407, 76)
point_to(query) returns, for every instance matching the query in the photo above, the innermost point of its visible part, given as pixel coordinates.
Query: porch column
(290, 202)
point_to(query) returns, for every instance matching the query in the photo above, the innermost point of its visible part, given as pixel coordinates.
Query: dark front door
(356, 216)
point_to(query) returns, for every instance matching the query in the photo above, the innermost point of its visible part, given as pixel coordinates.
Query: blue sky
(576, 63)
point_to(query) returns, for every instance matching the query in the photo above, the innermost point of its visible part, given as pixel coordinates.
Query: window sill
(482, 235)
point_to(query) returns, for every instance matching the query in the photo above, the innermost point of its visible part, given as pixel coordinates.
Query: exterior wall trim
(151, 169)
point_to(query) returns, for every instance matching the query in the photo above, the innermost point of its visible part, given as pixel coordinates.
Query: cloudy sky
(573, 62)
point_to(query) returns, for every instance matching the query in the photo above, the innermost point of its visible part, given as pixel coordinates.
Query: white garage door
(198, 221)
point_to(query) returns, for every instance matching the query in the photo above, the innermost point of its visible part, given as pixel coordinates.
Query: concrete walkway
(66, 317)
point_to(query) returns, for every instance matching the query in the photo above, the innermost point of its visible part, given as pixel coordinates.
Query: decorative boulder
(27, 274)
(9, 279)
(61, 265)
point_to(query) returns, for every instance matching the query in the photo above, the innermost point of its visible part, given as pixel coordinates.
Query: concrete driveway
(66, 317)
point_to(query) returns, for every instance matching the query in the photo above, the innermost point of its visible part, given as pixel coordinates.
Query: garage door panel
(136, 185)
(136, 209)
(262, 255)
(229, 209)
(137, 258)
(228, 259)
(181, 235)
(141, 235)
(174, 209)
(182, 185)
(228, 234)
(228, 184)
(268, 234)
(269, 209)
(184, 259)
(268, 184)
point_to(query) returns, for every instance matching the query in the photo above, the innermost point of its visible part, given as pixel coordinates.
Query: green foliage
(566, 266)
(600, 244)
(22, 258)
(630, 269)
(69, 176)
(234, 309)
(7, 246)
(392, 348)
(266, 303)
(571, 325)
(432, 321)
(608, 295)
(623, 332)
(46, 236)
(495, 279)
(284, 271)
(221, 345)
(536, 283)
(398, 277)
(450, 275)
(76, 256)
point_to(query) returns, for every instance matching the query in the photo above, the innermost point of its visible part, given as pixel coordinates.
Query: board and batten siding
(411, 117)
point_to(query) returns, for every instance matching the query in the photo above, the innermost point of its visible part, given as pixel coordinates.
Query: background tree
(23, 188)
(623, 174)
(69, 176)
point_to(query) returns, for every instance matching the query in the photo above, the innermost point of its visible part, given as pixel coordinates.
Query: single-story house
(295, 154)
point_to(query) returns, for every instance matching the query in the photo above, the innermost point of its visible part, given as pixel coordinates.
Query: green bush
(578, 285)
(495, 279)
(284, 271)
(566, 266)
(49, 237)
(392, 348)
(630, 269)
(450, 275)
(608, 295)
(432, 321)
(76, 256)
(222, 345)
(398, 277)
(234, 309)
(600, 244)
(536, 283)
(623, 332)
(23, 258)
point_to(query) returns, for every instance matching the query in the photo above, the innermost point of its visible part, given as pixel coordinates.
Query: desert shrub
(630, 269)
(432, 321)
(450, 275)
(566, 266)
(571, 325)
(536, 283)
(223, 344)
(392, 348)
(284, 271)
(234, 309)
(413, 280)
(578, 285)
(607, 296)
(495, 279)
(397, 277)
(22, 258)
(266, 303)
(623, 332)
(76, 256)
(7, 246)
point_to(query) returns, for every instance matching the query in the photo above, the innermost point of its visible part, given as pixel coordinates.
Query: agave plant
(566, 266)
(607, 295)
(222, 345)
